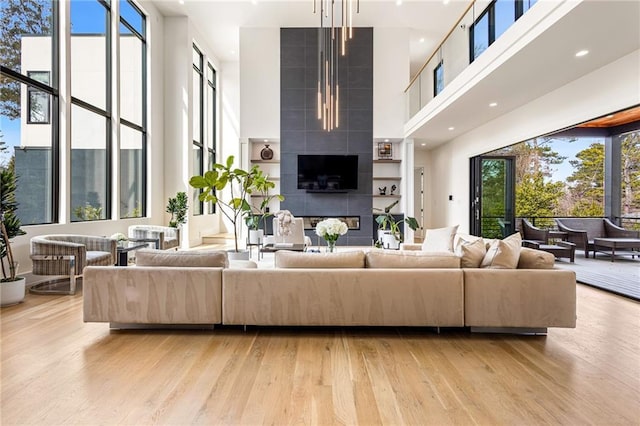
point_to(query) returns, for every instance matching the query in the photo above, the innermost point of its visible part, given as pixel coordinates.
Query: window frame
(198, 145)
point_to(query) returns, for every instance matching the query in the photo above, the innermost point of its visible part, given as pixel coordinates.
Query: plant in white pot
(235, 206)
(389, 235)
(258, 215)
(178, 207)
(12, 287)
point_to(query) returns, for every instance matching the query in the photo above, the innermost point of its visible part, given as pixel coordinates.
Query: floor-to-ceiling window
(91, 110)
(29, 105)
(212, 111)
(133, 111)
(197, 158)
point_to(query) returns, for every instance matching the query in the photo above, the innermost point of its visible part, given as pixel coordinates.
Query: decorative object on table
(389, 235)
(393, 188)
(178, 207)
(382, 190)
(330, 230)
(266, 153)
(119, 237)
(11, 286)
(284, 219)
(385, 150)
(233, 204)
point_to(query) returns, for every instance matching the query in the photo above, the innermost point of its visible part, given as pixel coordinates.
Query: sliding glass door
(492, 196)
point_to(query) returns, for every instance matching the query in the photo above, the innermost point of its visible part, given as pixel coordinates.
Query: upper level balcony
(504, 54)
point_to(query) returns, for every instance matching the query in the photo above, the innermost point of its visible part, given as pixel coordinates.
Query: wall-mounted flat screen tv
(327, 173)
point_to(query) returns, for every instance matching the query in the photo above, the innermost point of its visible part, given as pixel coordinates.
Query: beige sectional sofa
(359, 288)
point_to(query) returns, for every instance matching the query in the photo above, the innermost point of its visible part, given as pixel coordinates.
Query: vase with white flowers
(330, 230)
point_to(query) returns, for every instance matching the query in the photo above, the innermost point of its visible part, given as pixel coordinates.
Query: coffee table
(627, 245)
(272, 248)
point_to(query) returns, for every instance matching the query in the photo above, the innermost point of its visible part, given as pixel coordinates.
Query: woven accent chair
(164, 237)
(68, 255)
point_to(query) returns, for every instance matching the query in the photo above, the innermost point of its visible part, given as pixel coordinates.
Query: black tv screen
(327, 172)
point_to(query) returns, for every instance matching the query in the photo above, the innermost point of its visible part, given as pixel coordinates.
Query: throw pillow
(189, 259)
(503, 254)
(471, 253)
(292, 259)
(440, 239)
(410, 259)
(535, 259)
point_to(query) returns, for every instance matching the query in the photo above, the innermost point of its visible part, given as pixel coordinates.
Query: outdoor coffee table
(560, 249)
(610, 245)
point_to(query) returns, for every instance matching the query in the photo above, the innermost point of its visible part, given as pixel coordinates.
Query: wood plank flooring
(58, 370)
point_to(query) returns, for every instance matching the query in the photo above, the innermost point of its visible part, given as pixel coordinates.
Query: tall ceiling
(219, 21)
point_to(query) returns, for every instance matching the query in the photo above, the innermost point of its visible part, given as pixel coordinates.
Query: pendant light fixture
(332, 43)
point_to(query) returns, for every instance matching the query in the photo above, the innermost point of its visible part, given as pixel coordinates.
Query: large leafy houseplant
(9, 223)
(387, 222)
(241, 183)
(178, 207)
(259, 214)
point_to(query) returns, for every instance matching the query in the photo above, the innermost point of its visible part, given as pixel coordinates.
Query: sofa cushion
(471, 253)
(242, 264)
(189, 259)
(503, 254)
(292, 259)
(440, 239)
(535, 259)
(410, 259)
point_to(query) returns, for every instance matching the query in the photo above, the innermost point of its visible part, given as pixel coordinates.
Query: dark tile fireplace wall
(301, 132)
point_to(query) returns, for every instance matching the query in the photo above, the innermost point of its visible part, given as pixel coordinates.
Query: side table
(123, 252)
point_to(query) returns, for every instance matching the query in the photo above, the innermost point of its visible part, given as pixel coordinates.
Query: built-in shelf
(265, 161)
(387, 161)
(387, 178)
(386, 196)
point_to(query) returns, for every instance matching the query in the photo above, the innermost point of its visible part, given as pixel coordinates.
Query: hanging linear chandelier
(332, 42)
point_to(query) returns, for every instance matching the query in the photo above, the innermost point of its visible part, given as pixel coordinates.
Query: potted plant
(240, 184)
(389, 234)
(11, 286)
(259, 214)
(178, 207)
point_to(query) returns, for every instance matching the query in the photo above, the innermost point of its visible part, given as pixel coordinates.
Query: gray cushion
(291, 259)
(193, 259)
(376, 258)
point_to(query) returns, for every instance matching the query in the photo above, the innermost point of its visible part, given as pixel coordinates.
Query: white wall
(260, 82)
(608, 89)
(390, 78)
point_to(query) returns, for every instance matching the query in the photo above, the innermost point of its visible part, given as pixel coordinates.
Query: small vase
(331, 246)
(266, 153)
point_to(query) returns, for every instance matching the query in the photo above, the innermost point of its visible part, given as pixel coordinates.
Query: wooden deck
(55, 369)
(621, 276)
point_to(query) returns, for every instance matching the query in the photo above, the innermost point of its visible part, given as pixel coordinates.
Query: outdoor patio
(622, 276)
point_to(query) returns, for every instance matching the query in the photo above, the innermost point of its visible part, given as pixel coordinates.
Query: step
(222, 238)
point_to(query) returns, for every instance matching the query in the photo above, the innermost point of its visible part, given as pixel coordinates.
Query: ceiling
(219, 21)
(613, 120)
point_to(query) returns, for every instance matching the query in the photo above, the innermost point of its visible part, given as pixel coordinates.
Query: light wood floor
(58, 370)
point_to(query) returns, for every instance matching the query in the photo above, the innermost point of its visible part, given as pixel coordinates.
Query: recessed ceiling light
(452, 128)
(423, 144)
(386, 140)
(398, 2)
(421, 39)
(181, 1)
(492, 104)
(581, 53)
(266, 140)
(445, 1)
(254, 1)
